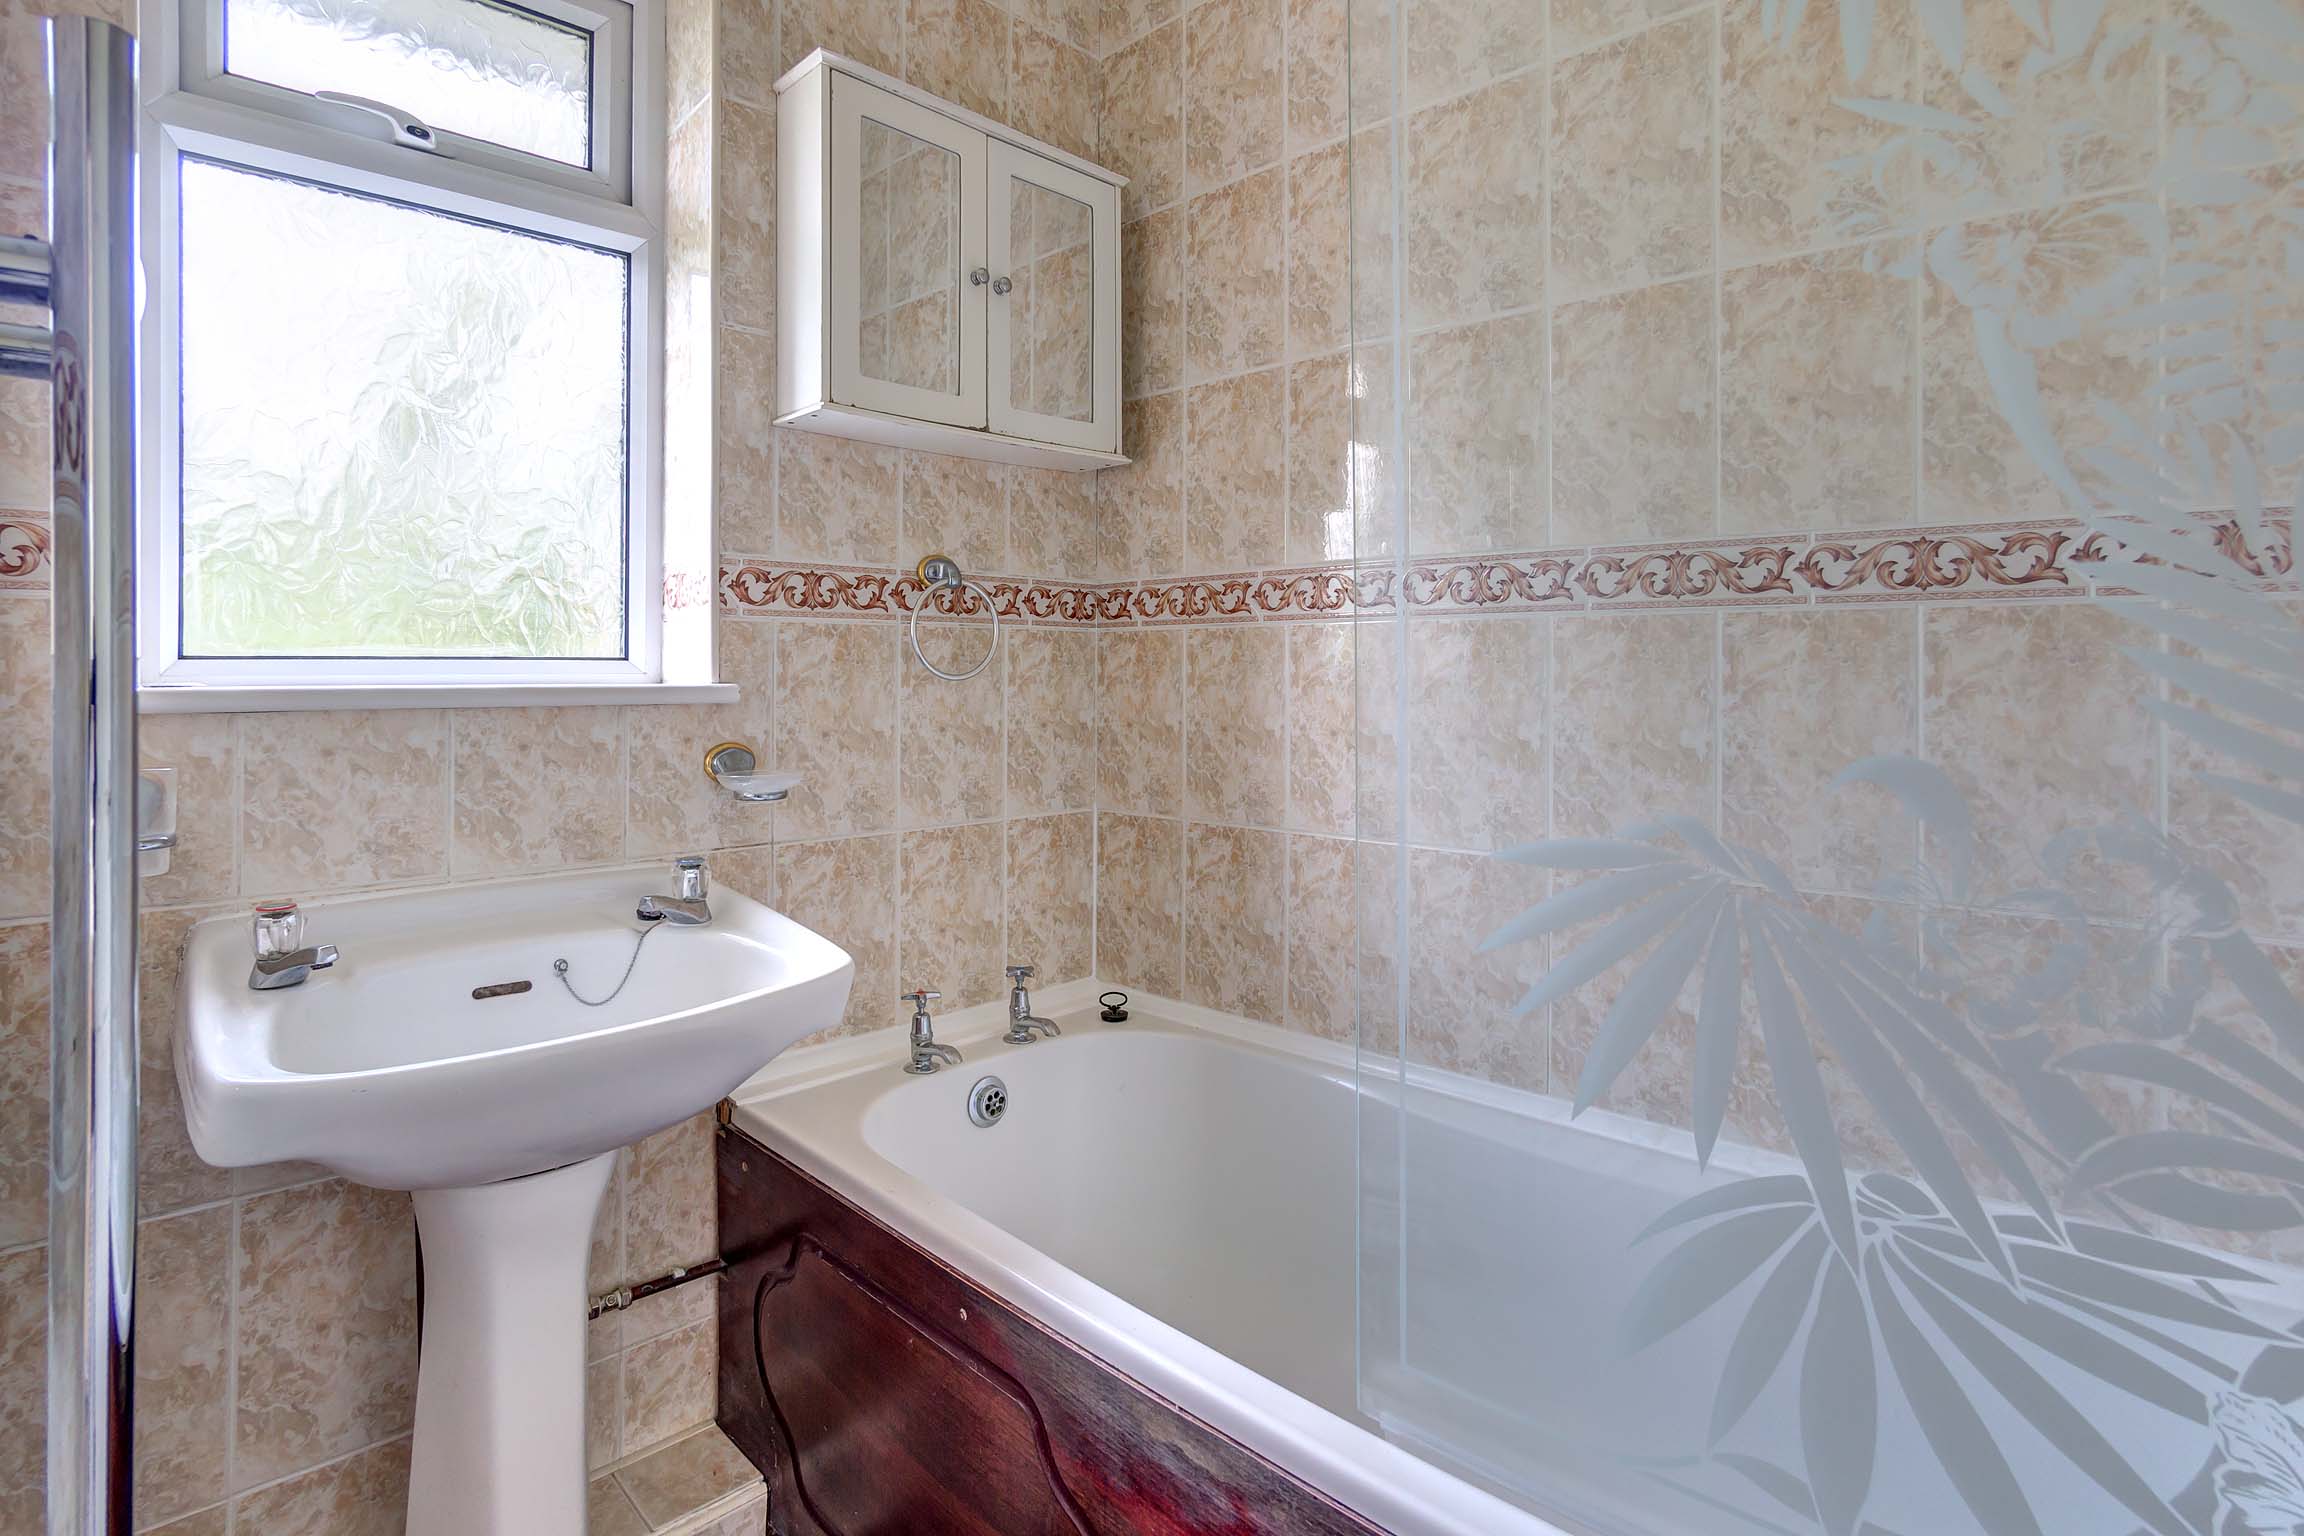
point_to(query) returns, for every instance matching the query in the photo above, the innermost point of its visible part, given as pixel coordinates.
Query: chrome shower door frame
(92, 805)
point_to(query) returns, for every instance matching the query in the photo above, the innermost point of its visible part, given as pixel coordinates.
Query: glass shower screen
(1831, 759)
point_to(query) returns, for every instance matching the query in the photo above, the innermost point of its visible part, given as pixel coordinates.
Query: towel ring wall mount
(942, 573)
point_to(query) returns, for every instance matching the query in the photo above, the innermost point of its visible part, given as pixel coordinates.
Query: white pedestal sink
(418, 1062)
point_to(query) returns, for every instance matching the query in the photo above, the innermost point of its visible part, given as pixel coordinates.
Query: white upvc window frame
(193, 110)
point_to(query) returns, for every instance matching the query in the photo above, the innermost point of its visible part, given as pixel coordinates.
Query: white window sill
(202, 699)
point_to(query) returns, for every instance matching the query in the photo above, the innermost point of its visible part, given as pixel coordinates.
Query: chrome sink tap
(926, 1055)
(688, 909)
(283, 959)
(1024, 1026)
(292, 969)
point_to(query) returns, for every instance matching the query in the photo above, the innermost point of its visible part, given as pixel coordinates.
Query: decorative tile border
(24, 553)
(1956, 563)
(759, 589)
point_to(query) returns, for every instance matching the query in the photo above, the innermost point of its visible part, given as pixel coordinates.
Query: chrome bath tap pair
(924, 1055)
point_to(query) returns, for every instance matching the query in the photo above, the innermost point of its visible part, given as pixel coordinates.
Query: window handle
(407, 128)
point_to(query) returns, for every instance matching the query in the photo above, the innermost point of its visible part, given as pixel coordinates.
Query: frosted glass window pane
(492, 72)
(403, 433)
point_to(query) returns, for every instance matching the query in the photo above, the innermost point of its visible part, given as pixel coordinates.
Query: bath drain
(987, 1101)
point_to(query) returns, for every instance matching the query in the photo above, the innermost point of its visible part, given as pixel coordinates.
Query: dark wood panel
(883, 1394)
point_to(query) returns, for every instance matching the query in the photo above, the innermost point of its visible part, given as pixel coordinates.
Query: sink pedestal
(499, 1446)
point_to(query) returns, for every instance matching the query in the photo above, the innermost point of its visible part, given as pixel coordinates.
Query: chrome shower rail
(86, 276)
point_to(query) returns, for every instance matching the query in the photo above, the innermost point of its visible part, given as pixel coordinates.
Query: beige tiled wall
(944, 830)
(1613, 282)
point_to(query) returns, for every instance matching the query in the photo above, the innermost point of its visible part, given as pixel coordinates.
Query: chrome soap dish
(735, 767)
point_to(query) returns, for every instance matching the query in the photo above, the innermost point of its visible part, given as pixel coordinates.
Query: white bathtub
(1180, 1201)
(1176, 1201)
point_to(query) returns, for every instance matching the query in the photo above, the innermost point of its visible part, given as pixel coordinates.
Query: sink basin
(443, 1053)
(402, 1066)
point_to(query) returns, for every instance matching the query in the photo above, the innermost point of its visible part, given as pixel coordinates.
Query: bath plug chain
(560, 969)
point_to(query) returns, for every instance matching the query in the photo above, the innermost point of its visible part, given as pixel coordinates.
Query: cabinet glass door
(908, 234)
(1054, 320)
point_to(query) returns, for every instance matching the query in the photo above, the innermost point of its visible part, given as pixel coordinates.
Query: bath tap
(926, 1055)
(689, 909)
(1024, 1026)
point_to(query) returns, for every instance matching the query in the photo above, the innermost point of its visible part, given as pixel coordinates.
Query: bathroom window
(400, 426)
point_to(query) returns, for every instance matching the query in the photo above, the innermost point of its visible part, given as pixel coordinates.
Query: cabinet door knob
(1001, 285)
(979, 277)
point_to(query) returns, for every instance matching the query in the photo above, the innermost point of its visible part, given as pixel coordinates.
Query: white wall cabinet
(942, 283)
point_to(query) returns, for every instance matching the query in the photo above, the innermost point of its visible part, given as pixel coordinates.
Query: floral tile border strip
(24, 553)
(1955, 563)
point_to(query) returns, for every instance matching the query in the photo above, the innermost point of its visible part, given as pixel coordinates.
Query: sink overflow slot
(500, 989)
(987, 1101)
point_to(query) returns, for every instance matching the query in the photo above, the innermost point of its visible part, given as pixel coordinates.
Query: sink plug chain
(560, 969)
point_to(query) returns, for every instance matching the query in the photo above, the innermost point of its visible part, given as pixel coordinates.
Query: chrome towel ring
(941, 573)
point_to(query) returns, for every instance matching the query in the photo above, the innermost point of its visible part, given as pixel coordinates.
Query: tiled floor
(696, 1486)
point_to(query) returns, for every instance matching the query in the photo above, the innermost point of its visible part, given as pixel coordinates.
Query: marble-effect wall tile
(958, 507)
(1803, 696)
(958, 49)
(836, 726)
(1476, 750)
(1234, 724)
(846, 891)
(1816, 380)
(1052, 523)
(744, 403)
(1632, 703)
(1235, 920)
(1454, 45)
(1634, 454)
(1235, 496)
(23, 1084)
(325, 1325)
(335, 798)
(1475, 204)
(1140, 721)
(1140, 508)
(836, 500)
(1322, 665)
(505, 819)
(1051, 895)
(1462, 1001)
(2040, 722)
(25, 704)
(1140, 120)
(1055, 88)
(1234, 279)
(1051, 721)
(183, 1279)
(204, 752)
(1233, 118)
(1152, 314)
(949, 923)
(362, 1495)
(949, 753)
(1632, 160)
(1476, 437)
(1795, 170)
(1139, 902)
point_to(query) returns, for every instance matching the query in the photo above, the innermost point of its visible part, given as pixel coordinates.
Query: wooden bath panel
(882, 1394)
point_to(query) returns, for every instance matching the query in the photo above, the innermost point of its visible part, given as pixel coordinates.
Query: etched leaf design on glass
(2106, 1303)
(487, 71)
(403, 433)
